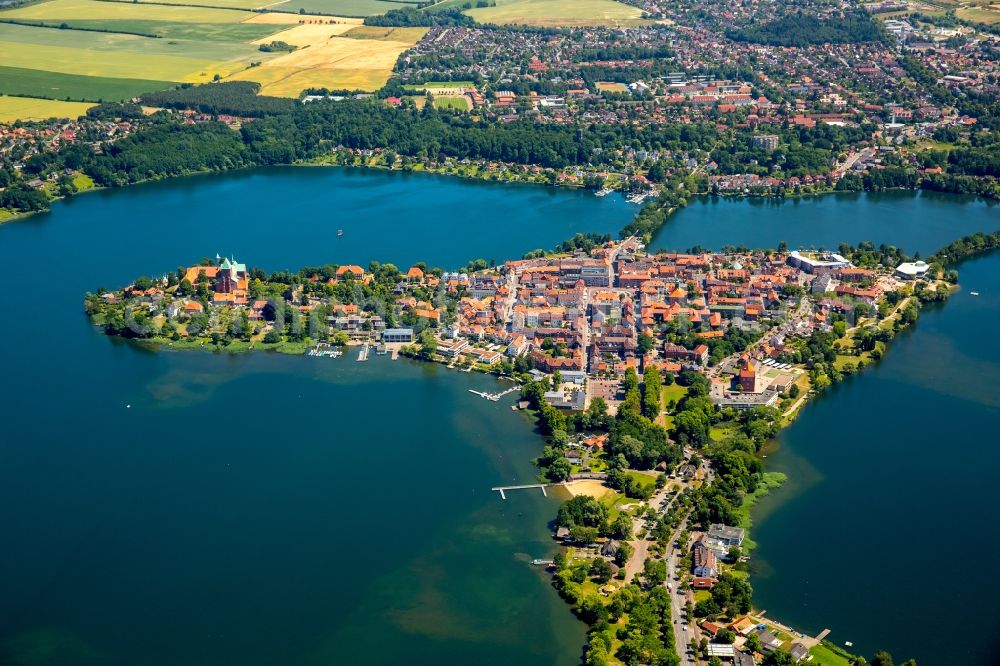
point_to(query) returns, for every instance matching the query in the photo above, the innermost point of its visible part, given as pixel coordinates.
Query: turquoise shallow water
(263, 509)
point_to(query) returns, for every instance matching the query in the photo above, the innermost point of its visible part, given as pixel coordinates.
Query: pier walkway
(495, 396)
(503, 489)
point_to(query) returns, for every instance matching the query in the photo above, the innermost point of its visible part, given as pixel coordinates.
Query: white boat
(603, 193)
(848, 643)
(973, 293)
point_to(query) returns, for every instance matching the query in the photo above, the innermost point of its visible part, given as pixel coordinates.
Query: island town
(656, 378)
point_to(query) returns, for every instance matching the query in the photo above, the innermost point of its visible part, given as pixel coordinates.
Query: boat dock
(495, 396)
(504, 489)
(363, 354)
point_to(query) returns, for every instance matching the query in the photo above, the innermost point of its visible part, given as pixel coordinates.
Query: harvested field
(306, 35)
(337, 63)
(559, 13)
(26, 108)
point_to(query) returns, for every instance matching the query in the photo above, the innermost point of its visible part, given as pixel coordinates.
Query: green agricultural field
(196, 23)
(219, 32)
(359, 8)
(412, 35)
(987, 15)
(124, 56)
(64, 10)
(558, 13)
(53, 85)
(342, 7)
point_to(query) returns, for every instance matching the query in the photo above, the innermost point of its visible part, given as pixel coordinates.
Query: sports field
(558, 13)
(461, 103)
(26, 108)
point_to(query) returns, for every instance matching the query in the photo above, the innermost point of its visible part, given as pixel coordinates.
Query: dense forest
(806, 29)
(410, 17)
(238, 98)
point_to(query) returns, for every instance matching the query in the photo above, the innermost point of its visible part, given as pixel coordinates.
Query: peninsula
(656, 379)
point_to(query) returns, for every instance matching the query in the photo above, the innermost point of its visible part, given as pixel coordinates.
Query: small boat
(973, 293)
(340, 232)
(848, 643)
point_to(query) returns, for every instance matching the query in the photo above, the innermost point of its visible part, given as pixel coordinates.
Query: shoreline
(318, 163)
(892, 317)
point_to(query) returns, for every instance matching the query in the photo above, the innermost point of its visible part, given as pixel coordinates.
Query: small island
(656, 380)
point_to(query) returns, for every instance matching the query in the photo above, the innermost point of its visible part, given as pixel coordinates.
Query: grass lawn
(673, 392)
(83, 182)
(28, 108)
(559, 13)
(701, 595)
(611, 500)
(827, 654)
(720, 432)
(642, 478)
(843, 359)
(35, 82)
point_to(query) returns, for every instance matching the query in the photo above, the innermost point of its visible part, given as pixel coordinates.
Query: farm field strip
(334, 63)
(307, 35)
(39, 83)
(119, 55)
(558, 12)
(27, 108)
(64, 10)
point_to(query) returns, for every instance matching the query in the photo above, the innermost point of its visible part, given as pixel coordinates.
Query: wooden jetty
(503, 489)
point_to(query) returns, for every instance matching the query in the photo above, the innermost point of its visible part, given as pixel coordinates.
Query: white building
(911, 270)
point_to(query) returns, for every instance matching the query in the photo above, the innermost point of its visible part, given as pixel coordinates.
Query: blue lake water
(196, 508)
